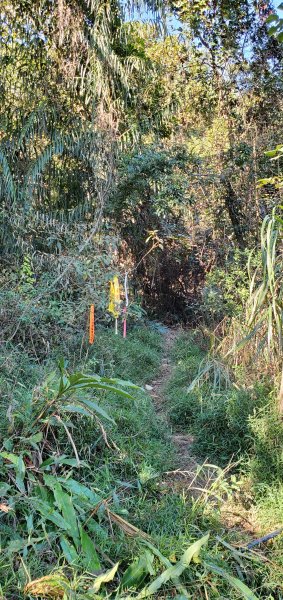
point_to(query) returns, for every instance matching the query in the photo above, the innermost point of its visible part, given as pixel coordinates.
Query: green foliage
(151, 201)
(59, 498)
(158, 173)
(56, 505)
(266, 297)
(136, 358)
(221, 423)
(140, 436)
(264, 314)
(57, 519)
(237, 423)
(46, 305)
(218, 415)
(126, 149)
(226, 290)
(267, 435)
(275, 24)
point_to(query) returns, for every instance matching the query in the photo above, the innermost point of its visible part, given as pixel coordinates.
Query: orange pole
(91, 324)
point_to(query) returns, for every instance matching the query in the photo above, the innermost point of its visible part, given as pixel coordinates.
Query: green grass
(221, 416)
(136, 358)
(119, 462)
(139, 434)
(125, 463)
(234, 423)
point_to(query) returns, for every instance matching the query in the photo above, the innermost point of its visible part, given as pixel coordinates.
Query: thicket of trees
(105, 119)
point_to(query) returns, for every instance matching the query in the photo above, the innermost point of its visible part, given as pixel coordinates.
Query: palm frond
(7, 183)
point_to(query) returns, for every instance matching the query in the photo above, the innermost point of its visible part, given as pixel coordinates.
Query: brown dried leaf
(5, 508)
(51, 586)
(127, 527)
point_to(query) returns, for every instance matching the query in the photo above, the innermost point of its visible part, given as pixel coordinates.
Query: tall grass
(237, 422)
(110, 525)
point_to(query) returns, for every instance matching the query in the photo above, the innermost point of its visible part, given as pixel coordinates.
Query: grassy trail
(186, 465)
(147, 476)
(222, 425)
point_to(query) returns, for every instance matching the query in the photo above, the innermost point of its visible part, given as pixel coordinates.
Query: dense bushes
(226, 288)
(266, 462)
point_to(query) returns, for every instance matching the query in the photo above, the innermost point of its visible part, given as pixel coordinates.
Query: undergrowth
(234, 422)
(85, 510)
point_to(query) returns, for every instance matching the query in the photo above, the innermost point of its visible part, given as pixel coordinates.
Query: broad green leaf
(183, 592)
(4, 488)
(105, 578)
(64, 504)
(76, 409)
(272, 18)
(104, 386)
(72, 462)
(80, 490)
(80, 379)
(50, 481)
(36, 438)
(89, 554)
(29, 521)
(95, 528)
(236, 583)
(174, 571)
(59, 460)
(18, 463)
(121, 382)
(273, 29)
(15, 545)
(97, 409)
(137, 572)
(15, 460)
(49, 513)
(69, 551)
(48, 462)
(63, 385)
(165, 561)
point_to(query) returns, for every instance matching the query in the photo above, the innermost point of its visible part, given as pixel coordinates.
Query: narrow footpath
(190, 476)
(187, 469)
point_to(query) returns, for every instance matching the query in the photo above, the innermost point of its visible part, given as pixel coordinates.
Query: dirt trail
(190, 475)
(186, 468)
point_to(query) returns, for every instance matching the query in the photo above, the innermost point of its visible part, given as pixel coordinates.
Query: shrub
(266, 464)
(222, 426)
(221, 297)
(219, 416)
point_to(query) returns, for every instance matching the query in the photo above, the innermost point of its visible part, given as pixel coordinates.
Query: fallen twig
(265, 538)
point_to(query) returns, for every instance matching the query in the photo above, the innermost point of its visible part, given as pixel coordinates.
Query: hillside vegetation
(141, 300)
